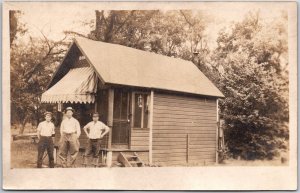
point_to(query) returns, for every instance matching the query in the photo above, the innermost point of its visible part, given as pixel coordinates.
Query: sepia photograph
(97, 87)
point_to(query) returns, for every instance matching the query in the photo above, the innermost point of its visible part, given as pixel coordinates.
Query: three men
(45, 134)
(69, 143)
(95, 131)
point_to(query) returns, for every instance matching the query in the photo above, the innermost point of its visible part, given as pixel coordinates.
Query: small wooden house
(160, 108)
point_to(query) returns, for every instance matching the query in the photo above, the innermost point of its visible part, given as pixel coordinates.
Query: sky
(54, 18)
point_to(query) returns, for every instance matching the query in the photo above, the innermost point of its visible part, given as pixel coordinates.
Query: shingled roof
(121, 65)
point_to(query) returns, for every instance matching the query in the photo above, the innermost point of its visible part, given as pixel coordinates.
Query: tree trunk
(13, 25)
(22, 129)
(23, 126)
(109, 29)
(99, 23)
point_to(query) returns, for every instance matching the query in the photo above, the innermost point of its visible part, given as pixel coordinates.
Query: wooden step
(123, 160)
(130, 160)
(118, 164)
(135, 162)
(141, 164)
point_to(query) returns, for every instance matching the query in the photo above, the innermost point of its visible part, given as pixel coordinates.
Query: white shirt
(96, 129)
(70, 125)
(46, 129)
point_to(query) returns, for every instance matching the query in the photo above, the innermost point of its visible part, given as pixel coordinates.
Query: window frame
(143, 111)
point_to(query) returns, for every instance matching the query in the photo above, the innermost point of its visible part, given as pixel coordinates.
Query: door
(121, 122)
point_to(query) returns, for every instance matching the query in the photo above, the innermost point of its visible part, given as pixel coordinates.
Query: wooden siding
(140, 139)
(184, 129)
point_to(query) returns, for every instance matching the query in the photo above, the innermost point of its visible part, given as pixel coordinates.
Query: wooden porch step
(135, 162)
(130, 160)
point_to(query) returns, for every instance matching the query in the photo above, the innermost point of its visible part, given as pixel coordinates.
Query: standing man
(69, 143)
(95, 131)
(45, 134)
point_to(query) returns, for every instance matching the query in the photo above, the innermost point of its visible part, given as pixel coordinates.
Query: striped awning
(79, 85)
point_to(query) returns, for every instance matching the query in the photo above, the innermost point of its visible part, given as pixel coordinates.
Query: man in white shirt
(45, 134)
(69, 143)
(95, 131)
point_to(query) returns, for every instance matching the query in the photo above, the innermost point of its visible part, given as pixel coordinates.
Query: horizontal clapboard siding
(140, 139)
(184, 128)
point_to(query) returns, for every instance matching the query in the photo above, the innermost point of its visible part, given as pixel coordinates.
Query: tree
(15, 26)
(32, 64)
(251, 62)
(171, 33)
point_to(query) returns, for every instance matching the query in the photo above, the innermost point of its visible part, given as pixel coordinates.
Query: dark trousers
(93, 148)
(45, 144)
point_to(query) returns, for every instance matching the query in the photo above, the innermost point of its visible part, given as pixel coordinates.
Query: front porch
(126, 113)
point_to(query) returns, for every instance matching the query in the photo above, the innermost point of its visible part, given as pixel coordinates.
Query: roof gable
(116, 64)
(123, 65)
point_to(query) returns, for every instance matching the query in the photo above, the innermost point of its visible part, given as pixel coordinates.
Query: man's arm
(78, 131)
(53, 133)
(85, 129)
(38, 132)
(61, 128)
(106, 130)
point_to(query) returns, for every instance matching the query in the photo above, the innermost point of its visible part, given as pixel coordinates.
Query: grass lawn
(24, 155)
(274, 162)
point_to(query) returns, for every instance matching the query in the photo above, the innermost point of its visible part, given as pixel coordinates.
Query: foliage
(16, 28)
(171, 33)
(32, 64)
(253, 77)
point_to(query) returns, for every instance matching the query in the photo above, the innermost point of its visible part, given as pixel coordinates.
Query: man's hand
(85, 131)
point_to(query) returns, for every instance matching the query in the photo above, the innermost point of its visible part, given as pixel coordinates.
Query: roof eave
(161, 89)
(89, 61)
(59, 66)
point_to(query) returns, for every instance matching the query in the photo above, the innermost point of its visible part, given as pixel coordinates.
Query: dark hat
(47, 113)
(95, 114)
(69, 109)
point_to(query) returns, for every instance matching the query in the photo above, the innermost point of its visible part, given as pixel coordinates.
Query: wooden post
(55, 155)
(95, 107)
(143, 111)
(217, 134)
(151, 125)
(187, 147)
(96, 102)
(110, 125)
(132, 109)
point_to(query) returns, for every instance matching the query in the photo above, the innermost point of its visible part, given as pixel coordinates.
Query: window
(141, 111)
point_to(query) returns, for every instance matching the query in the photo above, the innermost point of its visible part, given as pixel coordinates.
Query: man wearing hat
(69, 143)
(95, 131)
(45, 134)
